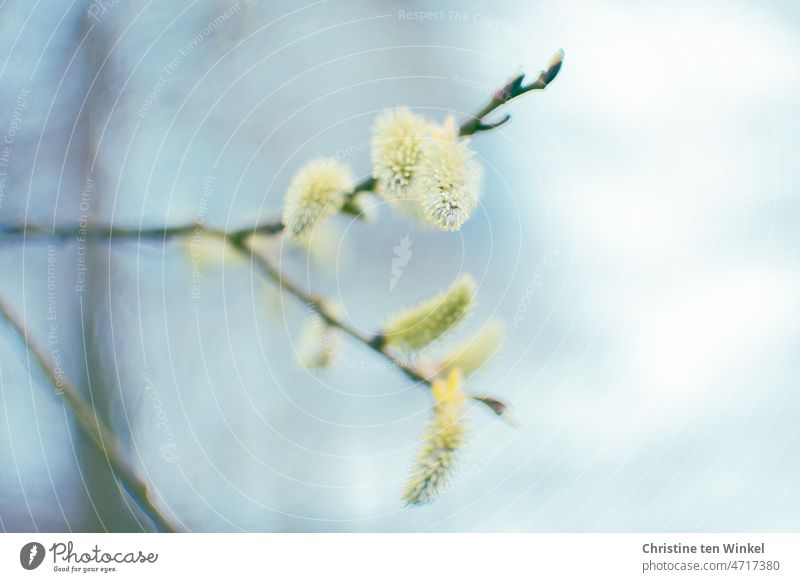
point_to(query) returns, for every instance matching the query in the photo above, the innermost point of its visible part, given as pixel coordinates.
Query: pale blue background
(652, 369)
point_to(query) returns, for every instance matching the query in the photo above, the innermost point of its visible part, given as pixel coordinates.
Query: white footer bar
(406, 557)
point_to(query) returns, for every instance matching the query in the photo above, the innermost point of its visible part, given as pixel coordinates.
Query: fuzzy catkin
(449, 183)
(420, 326)
(425, 169)
(397, 147)
(441, 442)
(316, 192)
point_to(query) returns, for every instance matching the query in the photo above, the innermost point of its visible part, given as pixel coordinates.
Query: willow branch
(93, 427)
(272, 273)
(476, 123)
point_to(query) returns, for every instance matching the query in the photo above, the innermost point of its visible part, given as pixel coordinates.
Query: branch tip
(484, 126)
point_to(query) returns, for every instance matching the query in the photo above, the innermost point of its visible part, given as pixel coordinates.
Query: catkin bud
(316, 346)
(470, 355)
(441, 442)
(397, 147)
(205, 251)
(553, 67)
(316, 192)
(447, 131)
(420, 326)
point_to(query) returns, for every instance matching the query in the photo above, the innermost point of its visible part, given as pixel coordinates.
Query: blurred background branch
(92, 427)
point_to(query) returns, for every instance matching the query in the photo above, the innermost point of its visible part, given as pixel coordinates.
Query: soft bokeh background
(639, 233)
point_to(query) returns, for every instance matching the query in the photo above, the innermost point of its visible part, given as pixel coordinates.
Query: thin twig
(512, 89)
(477, 122)
(115, 232)
(93, 427)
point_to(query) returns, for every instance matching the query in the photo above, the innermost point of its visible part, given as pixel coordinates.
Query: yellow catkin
(470, 355)
(441, 442)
